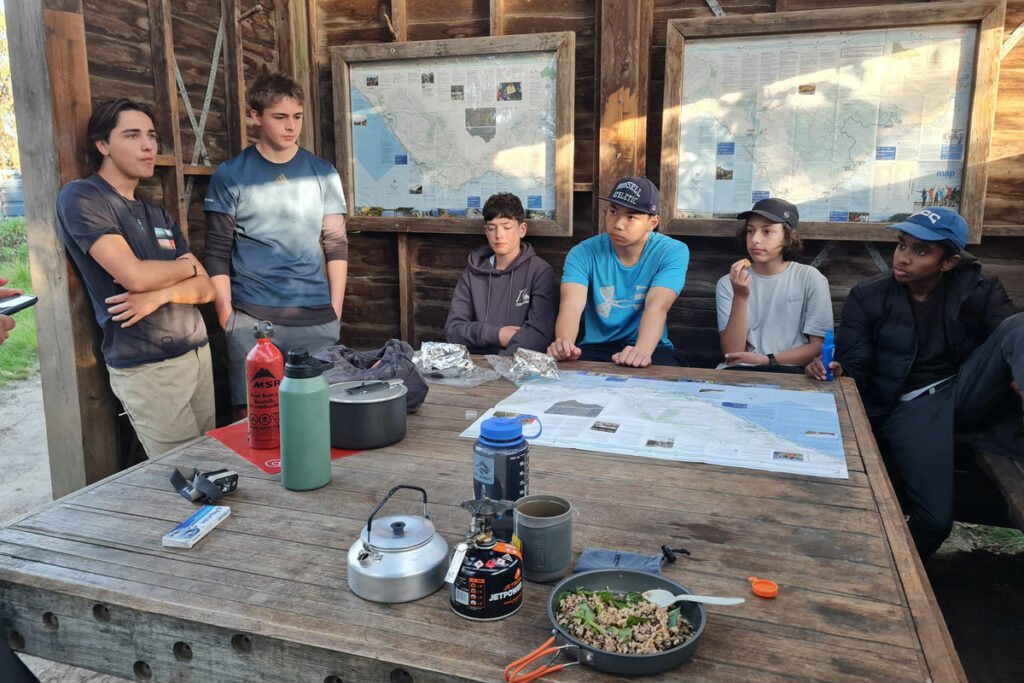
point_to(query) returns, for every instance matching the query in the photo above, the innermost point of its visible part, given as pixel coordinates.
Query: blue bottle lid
(504, 431)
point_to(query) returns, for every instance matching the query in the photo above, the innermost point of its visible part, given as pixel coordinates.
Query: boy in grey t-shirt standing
(773, 312)
(268, 210)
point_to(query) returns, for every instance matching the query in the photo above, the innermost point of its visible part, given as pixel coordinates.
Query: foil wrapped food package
(451, 364)
(525, 366)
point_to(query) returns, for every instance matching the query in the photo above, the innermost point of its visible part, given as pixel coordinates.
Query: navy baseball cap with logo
(935, 224)
(636, 194)
(776, 210)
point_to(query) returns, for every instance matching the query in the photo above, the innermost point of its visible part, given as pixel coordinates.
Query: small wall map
(437, 137)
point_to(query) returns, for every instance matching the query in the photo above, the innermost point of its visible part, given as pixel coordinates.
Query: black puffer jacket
(877, 341)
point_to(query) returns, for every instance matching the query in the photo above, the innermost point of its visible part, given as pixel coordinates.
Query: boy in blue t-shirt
(623, 281)
(267, 212)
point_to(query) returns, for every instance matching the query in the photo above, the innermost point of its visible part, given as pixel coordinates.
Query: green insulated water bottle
(305, 423)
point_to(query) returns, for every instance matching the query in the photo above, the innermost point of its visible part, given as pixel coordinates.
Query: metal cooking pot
(367, 414)
(616, 581)
(397, 558)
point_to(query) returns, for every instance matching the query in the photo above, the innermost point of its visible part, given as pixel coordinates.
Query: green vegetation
(19, 355)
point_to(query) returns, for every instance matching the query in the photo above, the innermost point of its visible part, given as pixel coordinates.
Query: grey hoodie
(486, 299)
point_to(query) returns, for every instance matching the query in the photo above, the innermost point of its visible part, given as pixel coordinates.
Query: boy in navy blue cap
(935, 344)
(624, 281)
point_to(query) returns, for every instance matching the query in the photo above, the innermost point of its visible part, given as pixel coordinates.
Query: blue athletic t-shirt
(616, 295)
(89, 209)
(277, 259)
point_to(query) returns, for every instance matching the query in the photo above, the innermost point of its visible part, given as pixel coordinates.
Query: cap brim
(919, 231)
(767, 214)
(627, 206)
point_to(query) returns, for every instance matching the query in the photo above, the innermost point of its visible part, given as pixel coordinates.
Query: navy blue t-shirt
(277, 258)
(90, 208)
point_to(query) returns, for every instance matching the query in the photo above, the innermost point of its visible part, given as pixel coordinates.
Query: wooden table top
(265, 597)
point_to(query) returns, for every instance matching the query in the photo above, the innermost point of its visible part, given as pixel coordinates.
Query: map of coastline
(849, 126)
(758, 427)
(436, 137)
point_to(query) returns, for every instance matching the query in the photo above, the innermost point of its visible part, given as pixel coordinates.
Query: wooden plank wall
(437, 260)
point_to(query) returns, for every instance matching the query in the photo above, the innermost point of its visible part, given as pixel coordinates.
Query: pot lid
(372, 391)
(399, 532)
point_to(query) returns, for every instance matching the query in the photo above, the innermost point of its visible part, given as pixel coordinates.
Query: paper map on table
(437, 137)
(757, 427)
(848, 125)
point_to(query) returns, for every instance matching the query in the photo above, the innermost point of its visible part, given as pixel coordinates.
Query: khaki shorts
(169, 402)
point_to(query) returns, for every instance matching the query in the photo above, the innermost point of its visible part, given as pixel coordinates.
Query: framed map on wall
(427, 131)
(858, 128)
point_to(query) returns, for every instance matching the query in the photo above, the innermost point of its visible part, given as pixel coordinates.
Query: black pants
(918, 434)
(603, 353)
(12, 670)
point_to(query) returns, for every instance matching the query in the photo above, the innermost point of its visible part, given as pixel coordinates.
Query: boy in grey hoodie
(507, 296)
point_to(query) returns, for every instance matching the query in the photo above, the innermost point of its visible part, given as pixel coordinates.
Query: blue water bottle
(501, 464)
(828, 349)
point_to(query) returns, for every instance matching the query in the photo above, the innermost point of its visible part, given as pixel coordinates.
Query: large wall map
(437, 137)
(850, 126)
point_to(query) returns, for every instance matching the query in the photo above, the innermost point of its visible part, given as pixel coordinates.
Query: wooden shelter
(190, 59)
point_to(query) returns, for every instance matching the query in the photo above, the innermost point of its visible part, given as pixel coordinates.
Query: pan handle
(514, 672)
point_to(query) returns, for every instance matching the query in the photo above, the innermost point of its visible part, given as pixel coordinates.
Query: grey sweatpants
(241, 340)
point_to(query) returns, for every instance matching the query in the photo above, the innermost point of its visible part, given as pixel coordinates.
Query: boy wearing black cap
(933, 345)
(624, 281)
(773, 313)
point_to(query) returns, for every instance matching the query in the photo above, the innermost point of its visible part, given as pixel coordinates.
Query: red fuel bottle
(264, 369)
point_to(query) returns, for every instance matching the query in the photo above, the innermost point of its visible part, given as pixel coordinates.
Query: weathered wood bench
(1008, 476)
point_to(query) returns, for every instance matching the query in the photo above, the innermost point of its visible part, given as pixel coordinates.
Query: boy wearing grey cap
(934, 345)
(623, 282)
(773, 312)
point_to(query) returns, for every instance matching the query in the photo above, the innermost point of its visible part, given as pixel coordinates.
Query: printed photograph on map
(609, 427)
(458, 93)
(660, 443)
(782, 455)
(372, 81)
(427, 78)
(416, 189)
(508, 91)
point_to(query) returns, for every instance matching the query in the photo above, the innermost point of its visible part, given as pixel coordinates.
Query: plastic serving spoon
(664, 598)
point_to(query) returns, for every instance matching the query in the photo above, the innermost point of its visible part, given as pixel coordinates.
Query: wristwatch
(771, 360)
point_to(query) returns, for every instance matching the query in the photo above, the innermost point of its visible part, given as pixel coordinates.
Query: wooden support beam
(313, 55)
(497, 17)
(51, 101)
(624, 65)
(406, 295)
(237, 112)
(283, 33)
(168, 126)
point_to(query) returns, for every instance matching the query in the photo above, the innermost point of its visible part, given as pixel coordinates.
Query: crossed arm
(150, 283)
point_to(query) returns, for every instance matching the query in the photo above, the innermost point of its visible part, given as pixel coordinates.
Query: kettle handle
(369, 522)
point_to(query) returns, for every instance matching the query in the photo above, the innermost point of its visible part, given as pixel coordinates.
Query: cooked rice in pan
(626, 624)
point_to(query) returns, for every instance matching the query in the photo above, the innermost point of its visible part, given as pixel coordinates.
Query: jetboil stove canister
(486, 575)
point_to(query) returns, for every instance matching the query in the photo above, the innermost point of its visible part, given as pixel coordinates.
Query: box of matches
(188, 533)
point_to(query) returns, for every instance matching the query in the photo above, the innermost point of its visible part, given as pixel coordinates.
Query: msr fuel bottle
(264, 370)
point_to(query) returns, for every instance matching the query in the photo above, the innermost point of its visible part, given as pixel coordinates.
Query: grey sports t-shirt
(782, 309)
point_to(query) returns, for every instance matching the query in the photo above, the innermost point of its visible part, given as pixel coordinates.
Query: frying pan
(616, 581)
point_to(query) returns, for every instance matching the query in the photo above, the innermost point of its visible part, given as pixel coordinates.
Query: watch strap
(771, 359)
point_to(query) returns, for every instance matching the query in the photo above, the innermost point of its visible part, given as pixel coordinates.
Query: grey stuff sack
(392, 361)
(602, 558)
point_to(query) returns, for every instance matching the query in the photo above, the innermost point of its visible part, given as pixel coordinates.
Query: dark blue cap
(636, 194)
(934, 224)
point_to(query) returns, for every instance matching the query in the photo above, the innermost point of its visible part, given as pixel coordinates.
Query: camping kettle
(397, 558)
